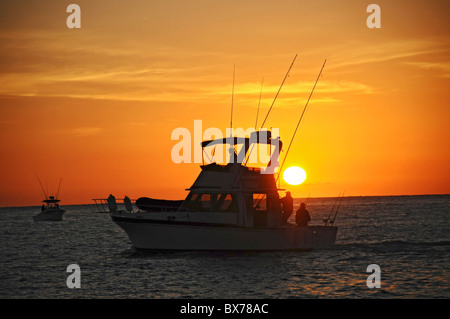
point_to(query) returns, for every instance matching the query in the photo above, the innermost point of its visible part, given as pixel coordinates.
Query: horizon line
(319, 197)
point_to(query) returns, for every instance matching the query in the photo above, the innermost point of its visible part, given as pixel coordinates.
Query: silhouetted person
(288, 206)
(112, 205)
(302, 216)
(127, 203)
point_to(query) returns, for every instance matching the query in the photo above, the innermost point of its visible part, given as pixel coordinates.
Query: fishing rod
(301, 117)
(282, 83)
(332, 209)
(309, 196)
(337, 209)
(42, 187)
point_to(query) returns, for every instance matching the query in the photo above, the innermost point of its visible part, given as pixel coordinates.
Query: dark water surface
(407, 236)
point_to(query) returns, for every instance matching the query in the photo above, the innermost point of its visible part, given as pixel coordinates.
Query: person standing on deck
(302, 217)
(288, 206)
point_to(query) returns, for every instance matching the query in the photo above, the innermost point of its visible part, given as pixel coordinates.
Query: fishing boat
(229, 207)
(50, 210)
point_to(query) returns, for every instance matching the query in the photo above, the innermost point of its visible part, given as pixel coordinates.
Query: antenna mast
(232, 98)
(231, 149)
(259, 103)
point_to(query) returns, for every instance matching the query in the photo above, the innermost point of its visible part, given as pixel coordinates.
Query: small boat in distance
(50, 210)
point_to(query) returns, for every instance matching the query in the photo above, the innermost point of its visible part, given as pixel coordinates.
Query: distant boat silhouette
(50, 210)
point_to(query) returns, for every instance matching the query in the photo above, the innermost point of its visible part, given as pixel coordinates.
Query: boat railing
(103, 207)
(124, 204)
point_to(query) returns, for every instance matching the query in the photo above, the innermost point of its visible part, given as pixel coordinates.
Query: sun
(294, 175)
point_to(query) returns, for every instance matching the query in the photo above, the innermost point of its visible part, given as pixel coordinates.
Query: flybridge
(240, 146)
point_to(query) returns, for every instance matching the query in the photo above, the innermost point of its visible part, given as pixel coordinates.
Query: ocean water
(406, 236)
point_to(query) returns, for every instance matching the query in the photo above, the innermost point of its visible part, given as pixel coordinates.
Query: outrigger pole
(268, 112)
(298, 123)
(57, 193)
(42, 187)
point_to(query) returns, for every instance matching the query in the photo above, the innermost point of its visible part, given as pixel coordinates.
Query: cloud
(443, 68)
(364, 53)
(42, 63)
(292, 93)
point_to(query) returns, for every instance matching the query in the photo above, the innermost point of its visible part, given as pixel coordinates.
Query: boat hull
(148, 234)
(49, 215)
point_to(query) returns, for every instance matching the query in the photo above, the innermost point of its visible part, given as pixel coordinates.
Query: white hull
(149, 234)
(49, 215)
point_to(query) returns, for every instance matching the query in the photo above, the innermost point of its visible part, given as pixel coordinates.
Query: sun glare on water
(294, 175)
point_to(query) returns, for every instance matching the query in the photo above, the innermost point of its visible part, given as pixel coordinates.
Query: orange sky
(96, 106)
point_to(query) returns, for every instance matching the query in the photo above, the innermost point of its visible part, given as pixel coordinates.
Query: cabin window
(194, 196)
(259, 202)
(205, 201)
(225, 203)
(198, 202)
(265, 202)
(211, 202)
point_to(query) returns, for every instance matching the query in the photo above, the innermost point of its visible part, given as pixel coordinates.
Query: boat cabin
(228, 194)
(235, 194)
(50, 203)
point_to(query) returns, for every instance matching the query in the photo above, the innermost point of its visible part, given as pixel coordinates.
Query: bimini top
(259, 137)
(256, 137)
(51, 199)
